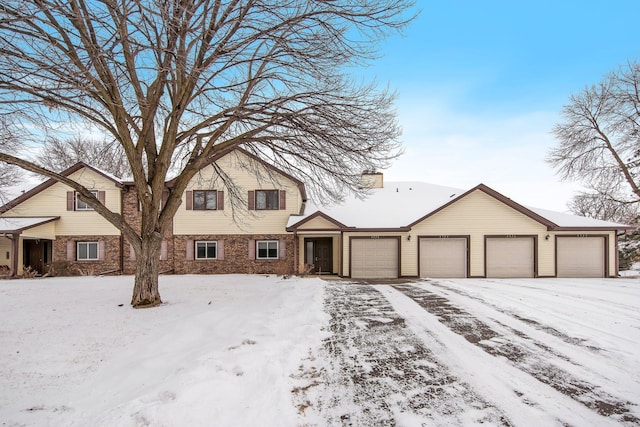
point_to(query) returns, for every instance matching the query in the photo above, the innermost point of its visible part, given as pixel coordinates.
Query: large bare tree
(199, 77)
(10, 175)
(599, 139)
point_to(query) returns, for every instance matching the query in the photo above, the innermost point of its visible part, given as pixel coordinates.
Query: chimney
(372, 179)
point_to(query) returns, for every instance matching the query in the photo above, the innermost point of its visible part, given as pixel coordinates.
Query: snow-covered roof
(12, 225)
(400, 204)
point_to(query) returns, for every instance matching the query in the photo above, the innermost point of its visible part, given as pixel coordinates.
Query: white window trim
(195, 249)
(87, 259)
(267, 242)
(87, 208)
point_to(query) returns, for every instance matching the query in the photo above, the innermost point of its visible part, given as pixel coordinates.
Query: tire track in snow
(535, 364)
(381, 374)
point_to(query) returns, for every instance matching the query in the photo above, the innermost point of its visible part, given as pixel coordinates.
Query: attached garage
(579, 256)
(375, 258)
(510, 256)
(443, 257)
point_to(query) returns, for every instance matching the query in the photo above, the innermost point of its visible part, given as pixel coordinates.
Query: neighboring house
(242, 215)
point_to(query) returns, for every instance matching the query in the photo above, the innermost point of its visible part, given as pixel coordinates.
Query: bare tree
(599, 137)
(602, 207)
(201, 77)
(10, 175)
(58, 154)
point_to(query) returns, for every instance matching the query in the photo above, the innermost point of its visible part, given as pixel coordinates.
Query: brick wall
(236, 256)
(65, 262)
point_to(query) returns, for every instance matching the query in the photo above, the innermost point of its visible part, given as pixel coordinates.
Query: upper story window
(81, 205)
(205, 200)
(267, 200)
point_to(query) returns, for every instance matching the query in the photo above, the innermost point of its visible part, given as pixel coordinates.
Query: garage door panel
(442, 258)
(510, 257)
(374, 258)
(580, 256)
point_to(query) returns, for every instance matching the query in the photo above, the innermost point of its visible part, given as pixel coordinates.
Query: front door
(37, 253)
(319, 254)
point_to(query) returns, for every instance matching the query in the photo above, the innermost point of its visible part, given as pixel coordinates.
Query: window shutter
(163, 250)
(189, 200)
(283, 199)
(132, 253)
(252, 247)
(189, 255)
(101, 196)
(220, 249)
(71, 248)
(282, 249)
(252, 200)
(101, 250)
(220, 200)
(71, 201)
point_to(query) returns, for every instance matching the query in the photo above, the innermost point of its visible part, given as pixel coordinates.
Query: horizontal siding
(477, 215)
(238, 220)
(5, 247)
(318, 223)
(44, 231)
(53, 202)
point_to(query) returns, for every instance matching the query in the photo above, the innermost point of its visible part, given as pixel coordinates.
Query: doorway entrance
(37, 254)
(318, 252)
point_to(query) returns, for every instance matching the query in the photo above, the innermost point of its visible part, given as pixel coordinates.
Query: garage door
(510, 257)
(443, 257)
(374, 258)
(581, 256)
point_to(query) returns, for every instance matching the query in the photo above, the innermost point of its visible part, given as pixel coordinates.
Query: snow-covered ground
(266, 351)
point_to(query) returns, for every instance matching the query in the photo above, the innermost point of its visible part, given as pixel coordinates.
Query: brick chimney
(372, 179)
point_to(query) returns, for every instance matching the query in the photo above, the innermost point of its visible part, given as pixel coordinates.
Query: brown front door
(34, 255)
(319, 253)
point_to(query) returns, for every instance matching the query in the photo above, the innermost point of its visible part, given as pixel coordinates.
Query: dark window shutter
(71, 249)
(283, 199)
(252, 249)
(163, 250)
(189, 200)
(220, 200)
(282, 249)
(189, 255)
(252, 200)
(71, 201)
(101, 250)
(101, 196)
(220, 249)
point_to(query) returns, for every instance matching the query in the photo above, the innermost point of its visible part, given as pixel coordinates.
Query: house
(242, 215)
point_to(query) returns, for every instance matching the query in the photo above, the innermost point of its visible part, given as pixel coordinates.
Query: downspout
(296, 245)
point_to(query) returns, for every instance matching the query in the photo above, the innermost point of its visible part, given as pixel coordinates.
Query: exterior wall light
(547, 237)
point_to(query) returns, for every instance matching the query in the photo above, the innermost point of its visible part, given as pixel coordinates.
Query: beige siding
(318, 223)
(53, 202)
(5, 249)
(477, 215)
(44, 231)
(238, 220)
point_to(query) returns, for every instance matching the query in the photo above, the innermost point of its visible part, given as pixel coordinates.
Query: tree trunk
(145, 287)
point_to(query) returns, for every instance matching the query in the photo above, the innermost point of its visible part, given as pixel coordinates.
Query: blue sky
(481, 83)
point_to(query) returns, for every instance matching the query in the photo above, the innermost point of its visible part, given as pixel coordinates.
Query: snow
(399, 204)
(244, 350)
(7, 225)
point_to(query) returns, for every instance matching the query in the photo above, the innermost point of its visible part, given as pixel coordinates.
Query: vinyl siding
(44, 231)
(318, 223)
(477, 215)
(238, 219)
(53, 202)
(5, 247)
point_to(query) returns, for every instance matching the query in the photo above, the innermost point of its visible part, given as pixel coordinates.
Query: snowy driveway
(508, 352)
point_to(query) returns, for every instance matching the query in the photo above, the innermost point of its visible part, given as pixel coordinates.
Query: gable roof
(402, 205)
(49, 182)
(12, 225)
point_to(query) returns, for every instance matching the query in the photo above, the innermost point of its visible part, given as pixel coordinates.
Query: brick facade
(65, 261)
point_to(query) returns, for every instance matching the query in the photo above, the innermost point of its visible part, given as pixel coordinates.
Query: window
(205, 200)
(83, 206)
(206, 250)
(267, 249)
(87, 251)
(267, 200)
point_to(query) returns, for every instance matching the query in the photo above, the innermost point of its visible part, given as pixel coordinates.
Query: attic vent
(452, 195)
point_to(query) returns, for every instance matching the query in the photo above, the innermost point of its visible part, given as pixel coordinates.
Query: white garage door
(443, 257)
(510, 257)
(581, 256)
(374, 258)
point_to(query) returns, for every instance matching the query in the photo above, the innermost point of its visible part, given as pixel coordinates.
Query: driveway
(441, 352)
